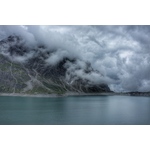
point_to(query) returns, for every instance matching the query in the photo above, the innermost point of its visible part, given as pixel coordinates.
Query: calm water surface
(80, 110)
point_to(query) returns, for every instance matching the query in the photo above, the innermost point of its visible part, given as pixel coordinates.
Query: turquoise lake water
(75, 110)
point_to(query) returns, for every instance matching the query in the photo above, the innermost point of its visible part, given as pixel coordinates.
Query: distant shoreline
(78, 94)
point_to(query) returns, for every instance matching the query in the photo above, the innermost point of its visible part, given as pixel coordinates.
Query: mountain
(28, 69)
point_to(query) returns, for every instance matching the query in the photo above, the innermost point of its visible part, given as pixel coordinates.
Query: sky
(120, 53)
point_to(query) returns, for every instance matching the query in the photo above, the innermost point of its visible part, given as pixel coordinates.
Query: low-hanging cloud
(120, 53)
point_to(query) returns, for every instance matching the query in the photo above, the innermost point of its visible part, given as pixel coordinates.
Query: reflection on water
(80, 110)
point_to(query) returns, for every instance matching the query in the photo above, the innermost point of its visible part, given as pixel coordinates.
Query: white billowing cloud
(56, 57)
(120, 53)
(20, 31)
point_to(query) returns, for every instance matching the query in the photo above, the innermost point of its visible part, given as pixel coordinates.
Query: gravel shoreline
(76, 94)
(56, 95)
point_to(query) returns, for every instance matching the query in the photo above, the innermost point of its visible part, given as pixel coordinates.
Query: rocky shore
(78, 94)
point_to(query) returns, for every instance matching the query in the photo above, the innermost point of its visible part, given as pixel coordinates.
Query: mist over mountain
(74, 58)
(26, 69)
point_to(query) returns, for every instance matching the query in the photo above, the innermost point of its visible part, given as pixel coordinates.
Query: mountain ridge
(25, 70)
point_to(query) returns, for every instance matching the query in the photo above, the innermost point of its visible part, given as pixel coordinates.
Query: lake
(75, 110)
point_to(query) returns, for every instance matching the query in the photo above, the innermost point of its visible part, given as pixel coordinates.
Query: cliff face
(25, 69)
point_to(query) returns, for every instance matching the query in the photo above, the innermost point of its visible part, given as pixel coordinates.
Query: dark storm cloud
(120, 53)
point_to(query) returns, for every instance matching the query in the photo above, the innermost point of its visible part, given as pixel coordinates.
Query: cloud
(120, 53)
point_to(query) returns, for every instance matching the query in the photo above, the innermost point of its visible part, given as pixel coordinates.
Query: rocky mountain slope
(24, 69)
